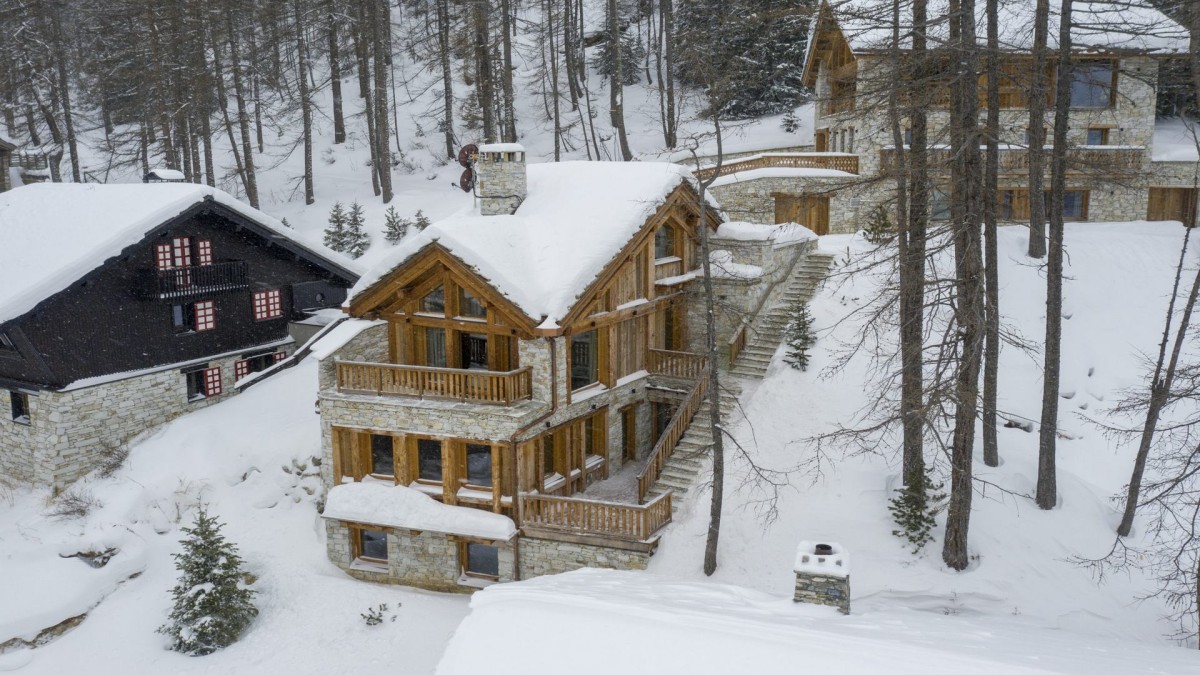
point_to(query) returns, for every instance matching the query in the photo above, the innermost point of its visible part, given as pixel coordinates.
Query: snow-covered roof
(1176, 140)
(575, 218)
(1099, 25)
(54, 233)
(501, 147)
(836, 563)
(166, 174)
(779, 235)
(389, 505)
(6, 141)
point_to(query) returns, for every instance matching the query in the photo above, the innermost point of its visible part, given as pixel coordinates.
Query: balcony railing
(610, 520)
(222, 277)
(670, 437)
(684, 365)
(1092, 159)
(790, 160)
(452, 384)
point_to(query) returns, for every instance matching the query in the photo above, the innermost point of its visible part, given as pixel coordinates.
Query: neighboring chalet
(124, 306)
(1124, 164)
(7, 148)
(516, 376)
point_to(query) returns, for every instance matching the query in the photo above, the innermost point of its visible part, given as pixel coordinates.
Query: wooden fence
(631, 522)
(792, 160)
(685, 365)
(736, 344)
(476, 386)
(1096, 160)
(678, 425)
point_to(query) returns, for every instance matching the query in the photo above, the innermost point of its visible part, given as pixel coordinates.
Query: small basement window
(370, 545)
(482, 561)
(20, 406)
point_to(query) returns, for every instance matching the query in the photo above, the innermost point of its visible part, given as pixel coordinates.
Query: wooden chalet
(127, 305)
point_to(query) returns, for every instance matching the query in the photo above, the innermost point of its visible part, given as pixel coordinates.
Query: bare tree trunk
(335, 78)
(223, 97)
(991, 179)
(235, 67)
(484, 85)
(506, 80)
(969, 310)
(551, 51)
(305, 102)
(1037, 132)
(256, 86)
(670, 122)
(616, 93)
(714, 379)
(1047, 481)
(362, 47)
(64, 85)
(443, 18)
(570, 55)
(383, 56)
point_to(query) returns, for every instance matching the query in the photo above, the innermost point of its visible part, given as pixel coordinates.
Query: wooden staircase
(691, 456)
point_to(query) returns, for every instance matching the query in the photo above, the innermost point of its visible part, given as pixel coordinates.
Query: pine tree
(422, 221)
(395, 228)
(357, 240)
(914, 511)
(632, 53)
(211, 606)
(335, 233)
(799, 337)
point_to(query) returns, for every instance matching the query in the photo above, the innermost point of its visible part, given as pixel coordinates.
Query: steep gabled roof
(7, 143)
(1099, 25)
(52, 234)
(576, 217)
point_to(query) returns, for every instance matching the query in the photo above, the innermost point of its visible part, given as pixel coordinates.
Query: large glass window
(479, 464)
(474, 351)
(483, 560)
(435, 347)
(664, 242)
(435, 301)
(939, 204)
(585, 359)
(1075, 205)
(372, 545)
(383, 462)
(1092, 84)
(469, 306)
(429, 459)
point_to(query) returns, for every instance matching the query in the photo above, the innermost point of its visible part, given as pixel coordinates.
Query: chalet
(1123, 163)
(507, 400)
(127, 305)
(7, 148)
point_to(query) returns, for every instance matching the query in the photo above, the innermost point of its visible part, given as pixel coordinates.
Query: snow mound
(399, 506)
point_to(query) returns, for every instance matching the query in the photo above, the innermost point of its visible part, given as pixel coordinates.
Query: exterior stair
(766, 332)
(689, 462)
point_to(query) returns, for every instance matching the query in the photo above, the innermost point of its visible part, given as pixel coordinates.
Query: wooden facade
(1173, 204)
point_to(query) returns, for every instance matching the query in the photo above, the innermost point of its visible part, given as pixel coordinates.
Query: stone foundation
(540, 557)
(816, 589)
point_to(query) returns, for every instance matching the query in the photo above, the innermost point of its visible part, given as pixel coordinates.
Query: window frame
(1102, 131)
(464, 561)
(19, 408)
(468, 480)
(441, 458)
(669, 242)
(358, 547)
(1110, 85)
(204, 316)
(391, 451)
(267, 304)
(204, 252)
(595, 374)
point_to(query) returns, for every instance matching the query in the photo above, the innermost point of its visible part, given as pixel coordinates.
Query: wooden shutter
(212, 381)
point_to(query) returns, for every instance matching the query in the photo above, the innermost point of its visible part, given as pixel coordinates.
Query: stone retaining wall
(545, 556)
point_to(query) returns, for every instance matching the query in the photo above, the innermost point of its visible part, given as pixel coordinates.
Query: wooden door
(821, 140)
(1173, 204)
(811, 211)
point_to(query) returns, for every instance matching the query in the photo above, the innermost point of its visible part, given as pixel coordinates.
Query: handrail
(792, 160)
(737, 343)
(684, 365)
(455, 384)
(665, 446)
(614, 520)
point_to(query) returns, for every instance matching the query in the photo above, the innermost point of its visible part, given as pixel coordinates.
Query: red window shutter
(279, 356)
(206, 316)
(212, 381)
(162, 256)
(204, 252)
(240, 369)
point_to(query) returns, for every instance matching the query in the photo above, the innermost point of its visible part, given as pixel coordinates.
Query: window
(664, 242)
(383, 462)
(371, 545)
(1097, 136)
(268, 305)
(479, 464)
(851, 140)
(435, 347)
(205, 316)
(939, 204)
(20, 406)
(203, 382)
(435, 301)
(184, 318)
(256, 364)
(1092, 84)
(908, 137)
(429, 459)
(548, 455)
(474, 351)
(162, 257)
(584, 359)
(1075, 203)
(1014, 204)
(469, 306)
(204, 252)
(483, 561)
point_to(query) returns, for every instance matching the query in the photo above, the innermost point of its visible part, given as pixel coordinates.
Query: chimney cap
(501, 147)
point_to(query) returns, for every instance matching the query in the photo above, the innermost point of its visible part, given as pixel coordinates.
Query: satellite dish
(467, 153)
(467, 180)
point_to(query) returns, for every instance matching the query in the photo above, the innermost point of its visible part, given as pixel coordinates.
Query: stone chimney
(500, 178)
(823, 575)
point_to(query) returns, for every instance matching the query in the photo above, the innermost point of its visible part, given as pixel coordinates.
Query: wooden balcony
(791, 160)
(1092, 159)
(684, 365)
(450, 384)
(181, 282)
(612, 521)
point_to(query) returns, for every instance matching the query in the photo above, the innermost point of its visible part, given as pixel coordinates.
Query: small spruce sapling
(335, 232)
(790, 122)
(357, 240)
(879, 229)
(914, 510)
(799, 336)
(395, 228)
(212, 606)
(422, 221)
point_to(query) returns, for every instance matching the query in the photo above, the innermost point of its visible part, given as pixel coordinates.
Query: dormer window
(434, 302)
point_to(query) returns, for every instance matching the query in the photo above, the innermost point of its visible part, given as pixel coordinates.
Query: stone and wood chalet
(125, 306)
(510, 393)
(1124, 165)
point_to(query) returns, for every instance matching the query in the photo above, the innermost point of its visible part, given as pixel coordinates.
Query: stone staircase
(766, 331)
(692, 455)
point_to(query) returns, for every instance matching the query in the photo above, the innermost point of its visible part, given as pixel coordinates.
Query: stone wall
(370, 346)
(67, 430)
(423, 559)
(820, 589)
(545, 556)
(754, 200)
(501, 182)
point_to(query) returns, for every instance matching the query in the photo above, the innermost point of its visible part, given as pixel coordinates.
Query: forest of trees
(159, 80)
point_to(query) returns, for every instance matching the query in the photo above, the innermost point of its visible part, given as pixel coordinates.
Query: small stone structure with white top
(823, 575)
